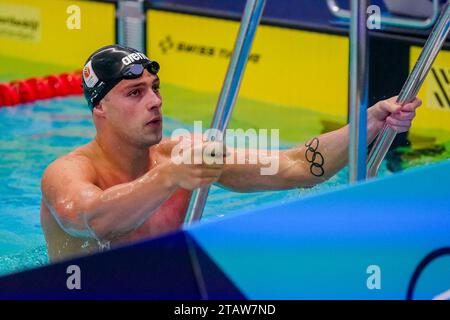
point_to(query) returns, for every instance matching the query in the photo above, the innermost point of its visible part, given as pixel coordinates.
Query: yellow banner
(435, 93)
(59, 32)
(19, 22)
(287, 67)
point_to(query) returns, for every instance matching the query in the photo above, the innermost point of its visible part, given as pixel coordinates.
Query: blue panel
(171, 267)
(316, 248)
(302, 14)
(321, 246)
(311, 12)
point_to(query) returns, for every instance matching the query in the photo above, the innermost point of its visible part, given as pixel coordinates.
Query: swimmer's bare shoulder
(61, 180)
(73, 169)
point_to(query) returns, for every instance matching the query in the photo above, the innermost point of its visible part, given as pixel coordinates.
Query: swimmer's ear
(99, 109)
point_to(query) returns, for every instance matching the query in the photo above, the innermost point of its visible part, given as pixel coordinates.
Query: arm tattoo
(315, 158)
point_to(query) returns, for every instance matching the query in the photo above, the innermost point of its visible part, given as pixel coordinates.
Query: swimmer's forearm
(323, 156)
(304, 166)
(123, 208)
(314, 161)
(300, 167)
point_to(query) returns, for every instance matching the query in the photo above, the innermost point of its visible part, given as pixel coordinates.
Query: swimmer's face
(133, 110)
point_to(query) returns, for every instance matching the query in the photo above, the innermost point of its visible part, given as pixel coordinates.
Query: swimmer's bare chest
(167, 218)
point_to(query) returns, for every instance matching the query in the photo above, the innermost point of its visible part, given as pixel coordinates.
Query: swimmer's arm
(84, 210)
(319, 158)
(293, 169)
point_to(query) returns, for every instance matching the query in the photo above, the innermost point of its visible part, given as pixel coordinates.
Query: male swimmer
(122, 186)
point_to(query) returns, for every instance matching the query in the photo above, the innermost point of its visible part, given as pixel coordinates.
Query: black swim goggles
(132, 71)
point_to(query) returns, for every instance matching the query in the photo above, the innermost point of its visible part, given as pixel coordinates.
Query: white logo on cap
(89, 76)
(133, 57)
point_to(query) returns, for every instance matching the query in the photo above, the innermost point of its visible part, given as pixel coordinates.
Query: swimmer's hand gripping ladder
(249, 23)
(411, 87)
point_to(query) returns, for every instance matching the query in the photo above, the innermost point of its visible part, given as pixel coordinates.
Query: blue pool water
(32, 136)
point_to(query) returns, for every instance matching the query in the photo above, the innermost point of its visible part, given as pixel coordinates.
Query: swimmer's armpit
(314, 158)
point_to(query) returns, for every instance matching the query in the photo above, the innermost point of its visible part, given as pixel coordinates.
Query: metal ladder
(230, 88)
(358, 168)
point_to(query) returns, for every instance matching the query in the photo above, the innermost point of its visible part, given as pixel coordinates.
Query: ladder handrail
(358, 89)
(230, 88)
(411, 87)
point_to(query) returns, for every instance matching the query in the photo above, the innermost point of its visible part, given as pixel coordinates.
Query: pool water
(34, 135)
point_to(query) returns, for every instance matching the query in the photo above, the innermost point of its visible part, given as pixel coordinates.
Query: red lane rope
(24, 91)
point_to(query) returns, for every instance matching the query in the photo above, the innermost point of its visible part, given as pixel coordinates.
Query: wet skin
(168, 217)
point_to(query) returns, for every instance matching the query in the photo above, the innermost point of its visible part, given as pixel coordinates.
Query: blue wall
(320, 247)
